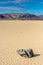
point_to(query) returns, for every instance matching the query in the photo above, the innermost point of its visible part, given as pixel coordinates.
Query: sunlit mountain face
(22, 6)
(19, 16)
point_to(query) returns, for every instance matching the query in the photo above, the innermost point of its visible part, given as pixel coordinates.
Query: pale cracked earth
(17, 34)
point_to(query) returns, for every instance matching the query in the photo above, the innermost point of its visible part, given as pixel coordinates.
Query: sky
(22, 6)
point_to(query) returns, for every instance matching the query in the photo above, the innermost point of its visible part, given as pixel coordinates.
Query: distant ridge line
(20, 16)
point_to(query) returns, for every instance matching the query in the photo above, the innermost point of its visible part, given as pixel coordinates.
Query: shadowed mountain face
(41, 16)
(17, 16)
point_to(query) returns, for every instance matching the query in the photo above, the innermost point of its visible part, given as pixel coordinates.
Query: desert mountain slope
(21, 16)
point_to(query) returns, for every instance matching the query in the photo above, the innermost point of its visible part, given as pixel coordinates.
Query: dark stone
(28, 52)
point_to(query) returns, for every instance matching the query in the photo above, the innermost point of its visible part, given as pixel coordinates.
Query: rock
(28, 52)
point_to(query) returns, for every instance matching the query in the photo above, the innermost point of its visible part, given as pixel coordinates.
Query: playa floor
(17, 34)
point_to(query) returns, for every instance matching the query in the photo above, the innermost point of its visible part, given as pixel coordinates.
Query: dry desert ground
(17, 34)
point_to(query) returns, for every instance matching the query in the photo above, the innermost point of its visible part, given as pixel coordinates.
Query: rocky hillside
(20, 16)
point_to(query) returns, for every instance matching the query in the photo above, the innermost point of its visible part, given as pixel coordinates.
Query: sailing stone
(26, 52)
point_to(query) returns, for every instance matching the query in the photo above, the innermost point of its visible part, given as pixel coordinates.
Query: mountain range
(20, 16)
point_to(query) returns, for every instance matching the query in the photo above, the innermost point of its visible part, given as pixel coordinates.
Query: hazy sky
(22, 6)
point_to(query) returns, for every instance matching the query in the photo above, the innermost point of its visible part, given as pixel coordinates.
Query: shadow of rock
(35, 55)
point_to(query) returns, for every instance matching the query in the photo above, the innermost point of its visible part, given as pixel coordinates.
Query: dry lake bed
(18, 34)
